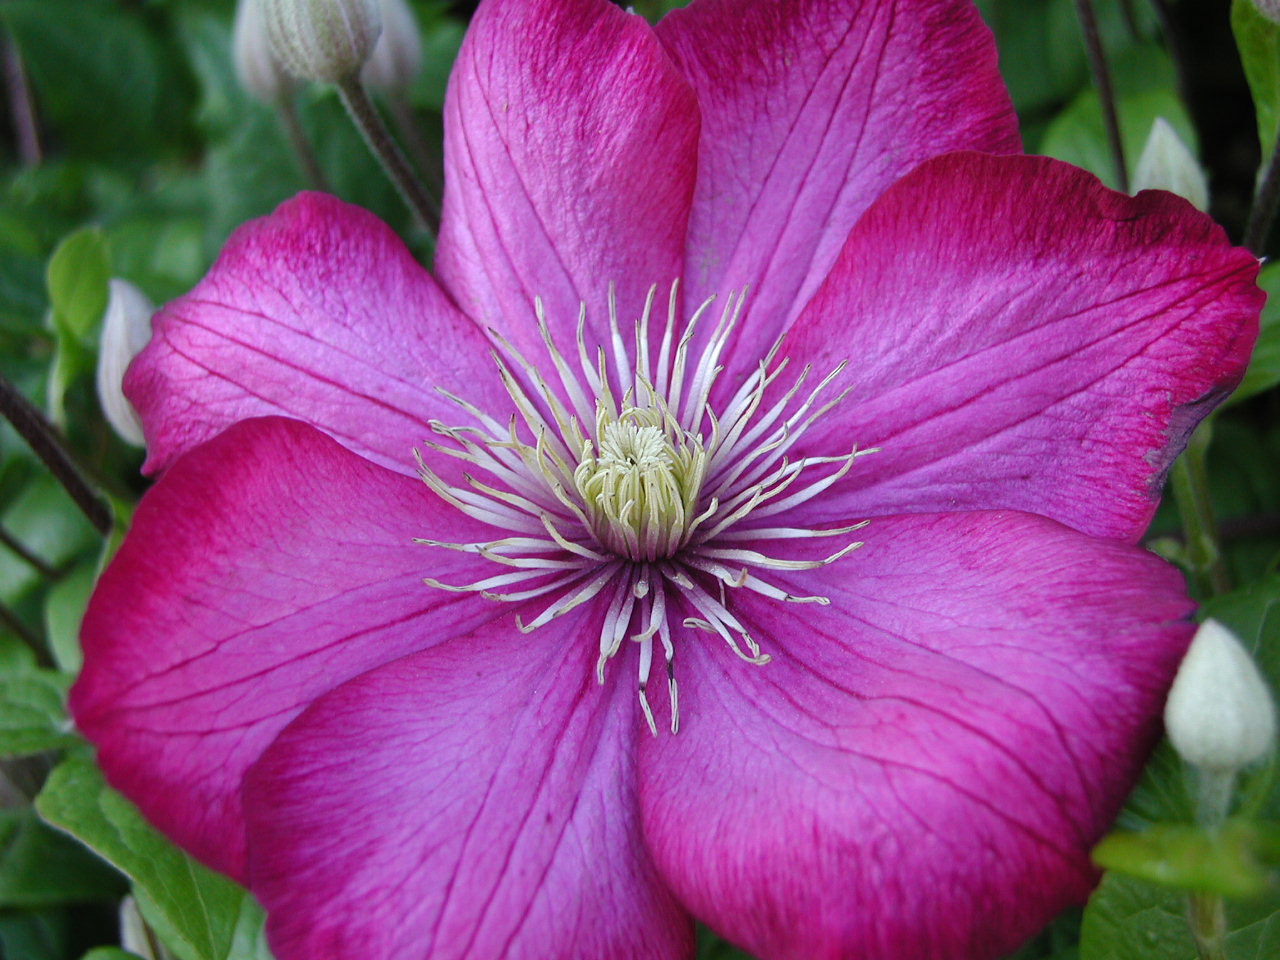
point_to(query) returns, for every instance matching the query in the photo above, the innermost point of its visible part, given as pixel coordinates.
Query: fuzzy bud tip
(324, 40)
(1219, 714)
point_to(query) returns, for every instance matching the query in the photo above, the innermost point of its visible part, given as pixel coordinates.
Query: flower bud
(397, 56)
(1269, 9)
(1219, 714)
(257, 67)
(1167, 164)
(325, 40)
(126, 328)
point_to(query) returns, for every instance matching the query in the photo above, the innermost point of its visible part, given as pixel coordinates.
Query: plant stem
(21, 552)
(26, 635)
(1206, 913)
(45, 442)
(287, 111)
(406, 125)
(1102, 80)
(1207, 916)
(1263, 212)
(378, 137)
(1191, 492)
(21, 107)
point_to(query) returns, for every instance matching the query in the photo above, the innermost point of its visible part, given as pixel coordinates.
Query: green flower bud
(325, 40)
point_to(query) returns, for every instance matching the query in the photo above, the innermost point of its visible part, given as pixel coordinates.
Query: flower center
(640, 485)
(624, 484)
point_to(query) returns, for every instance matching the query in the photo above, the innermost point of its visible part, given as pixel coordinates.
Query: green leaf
(1128, 919)
(1258, 40)
(1264, 368)
(109, 953)
(96, 72)
(44, 518)
(1226, 862)
(33, 713)
(78, 273)
(40, 867)
(64, 607)
(199, 914)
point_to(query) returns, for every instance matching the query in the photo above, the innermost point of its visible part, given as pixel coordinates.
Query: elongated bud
(397, 56)
(1219, 715)
(325, 40)
(257, 67)
(126, 328)
(1167, 164)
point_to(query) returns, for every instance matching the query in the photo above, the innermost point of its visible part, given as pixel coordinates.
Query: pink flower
(913, 763)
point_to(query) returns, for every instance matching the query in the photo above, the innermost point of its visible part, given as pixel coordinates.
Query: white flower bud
(257, 67)
(1269, 9)
(1167, 164)
(325, 40)
(397, 57)
(133, 930)
(1219, 715)
(126, 328)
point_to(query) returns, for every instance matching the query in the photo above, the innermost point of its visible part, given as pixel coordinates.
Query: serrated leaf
(1226, 862)
(1258, 40)
(1264, 367)
(78, 274)
(199, 914)
(41, 867)
(33, 713)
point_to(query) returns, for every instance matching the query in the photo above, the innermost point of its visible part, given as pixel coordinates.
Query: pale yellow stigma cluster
(624, 484)
(640, 481)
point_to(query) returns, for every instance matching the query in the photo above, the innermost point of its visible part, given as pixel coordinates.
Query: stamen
(622, 486)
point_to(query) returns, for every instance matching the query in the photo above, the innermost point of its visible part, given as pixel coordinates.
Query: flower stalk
(291, 124)
(371, 126)
(1265, 203)
(1106, 93)
(1190, 480)
(43, 439)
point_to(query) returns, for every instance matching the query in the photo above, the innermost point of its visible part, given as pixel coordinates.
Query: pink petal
(1018, 336)
(924, 765)
(316, 312)
(266, 567)
(570, 156)
(811, 109)
(476, 800)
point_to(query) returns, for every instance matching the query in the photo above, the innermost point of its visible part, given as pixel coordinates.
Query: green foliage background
(152, 154)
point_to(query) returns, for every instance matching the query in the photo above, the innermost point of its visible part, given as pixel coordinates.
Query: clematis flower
(784, 472)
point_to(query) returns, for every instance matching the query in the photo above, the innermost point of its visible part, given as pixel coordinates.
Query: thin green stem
(1190, 481)
(1207, 917)
(406, 125)
(1206, 912)
(48, 446)
(378, 137)
(287, 111)
(1102, 80)
(1262, 213)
